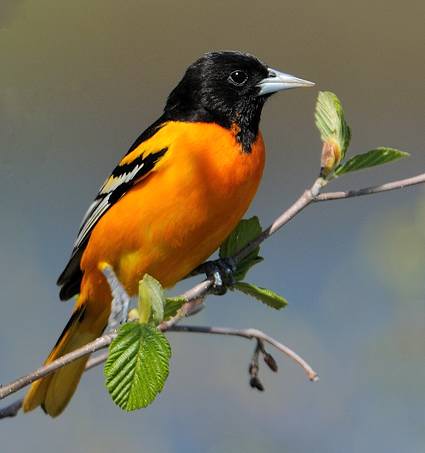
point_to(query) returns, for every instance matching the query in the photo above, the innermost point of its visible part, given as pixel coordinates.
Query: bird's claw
(222, 272)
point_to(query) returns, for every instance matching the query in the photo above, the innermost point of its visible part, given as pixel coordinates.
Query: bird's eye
(238, 78)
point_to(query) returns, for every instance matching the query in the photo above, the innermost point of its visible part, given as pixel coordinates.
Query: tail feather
(53, 392)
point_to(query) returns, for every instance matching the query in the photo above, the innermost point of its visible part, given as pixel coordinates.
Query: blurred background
(79, 81)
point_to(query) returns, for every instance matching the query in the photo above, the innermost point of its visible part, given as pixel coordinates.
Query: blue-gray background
(79, 80)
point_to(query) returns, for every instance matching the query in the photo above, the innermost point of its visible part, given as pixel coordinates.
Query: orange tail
(53, 392)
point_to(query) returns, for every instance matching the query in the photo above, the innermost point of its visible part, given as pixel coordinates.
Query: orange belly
(176, 217)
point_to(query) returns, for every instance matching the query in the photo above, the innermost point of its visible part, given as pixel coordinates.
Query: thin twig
(309, 196)
(45, 370)
(96, 360)
(105, 340)
(303, 201)
(251, 334)
(193, 297)
(196, 295)
(402, 183)
(13, 409)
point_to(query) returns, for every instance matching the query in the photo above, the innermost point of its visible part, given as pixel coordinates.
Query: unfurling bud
(331, 157)
(133, 315)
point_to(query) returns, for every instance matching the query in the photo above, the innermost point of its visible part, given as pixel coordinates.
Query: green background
(79, 80)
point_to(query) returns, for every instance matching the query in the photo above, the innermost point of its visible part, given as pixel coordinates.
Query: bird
(173, 198)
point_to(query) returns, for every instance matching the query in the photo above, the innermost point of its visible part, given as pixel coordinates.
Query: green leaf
(137, 365)
(374, 157)
(245, 265)
(267, 296)
(246, 231)
(331, 122)
(172, 306)
(151, 300)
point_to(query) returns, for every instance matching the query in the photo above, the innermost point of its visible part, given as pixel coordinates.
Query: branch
(196, 295)
(402, 183)
(305, 199)
(13, 409)
(104, 341)
(45, 370)
(253, 334)
(194, 298)
(311, 195)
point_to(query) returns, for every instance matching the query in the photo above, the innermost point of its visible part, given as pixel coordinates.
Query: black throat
(244, 120)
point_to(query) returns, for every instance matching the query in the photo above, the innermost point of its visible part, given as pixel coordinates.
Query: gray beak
(277, 81)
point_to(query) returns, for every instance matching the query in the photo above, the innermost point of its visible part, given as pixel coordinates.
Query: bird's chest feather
(208, 179)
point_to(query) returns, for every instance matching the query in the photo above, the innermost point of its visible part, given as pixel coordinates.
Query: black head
(226, 88)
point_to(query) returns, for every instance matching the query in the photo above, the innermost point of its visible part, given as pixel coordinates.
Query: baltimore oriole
(170, 202)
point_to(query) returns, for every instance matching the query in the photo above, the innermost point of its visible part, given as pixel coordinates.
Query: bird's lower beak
(277, 81)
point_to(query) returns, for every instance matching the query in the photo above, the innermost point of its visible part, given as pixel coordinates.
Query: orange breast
(180, 213)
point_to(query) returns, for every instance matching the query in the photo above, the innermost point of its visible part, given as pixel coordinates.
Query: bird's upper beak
(277, 81)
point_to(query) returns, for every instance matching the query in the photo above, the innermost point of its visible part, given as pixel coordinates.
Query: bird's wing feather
(121, 180)
(135, 166)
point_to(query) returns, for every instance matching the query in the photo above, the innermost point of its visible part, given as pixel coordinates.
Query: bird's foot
(120, 299)
(221, 271)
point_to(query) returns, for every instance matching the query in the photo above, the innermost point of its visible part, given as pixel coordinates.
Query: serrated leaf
(372, 158)
(331, 122)
(137, 365)
(172, 306)
(151, 300)
(246, 231)
(267, 296)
